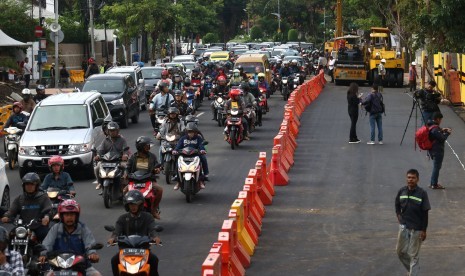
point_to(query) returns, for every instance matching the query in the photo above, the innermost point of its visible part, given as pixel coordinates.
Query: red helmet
(221, 78)
(18, 104)
(91, 60)
(234, 93)
(56, 159)
(69, 206)
(165, 73)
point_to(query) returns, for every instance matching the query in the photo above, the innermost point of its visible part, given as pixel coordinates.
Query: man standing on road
(381, 74)
(439, 136)
(412, 206)
(429, 100)
(373, 104)
(27, 71)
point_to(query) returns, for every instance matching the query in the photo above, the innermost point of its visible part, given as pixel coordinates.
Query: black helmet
(163, 84)
(187, 81)
(245, 86)
(196, 70)
(177, 92)
(113, 126)
(31, 177)
(192, 127)
(133, 197)
(190, 119)
(172, 110)
(142, 141)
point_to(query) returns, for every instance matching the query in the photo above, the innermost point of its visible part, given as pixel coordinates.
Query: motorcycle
(275, 83)
(296, 81)
(68, 263)
(22, 239)
(134, 252)
(234, 128)
(197, 98)
(109, 176)
(264, 100)
(11, 145)
(189, 168)
(207, 85)
(56, 197)
(218, 104)
(285, 88)
(169, 162)
(160, 115)
(142, 180)
(249, 114)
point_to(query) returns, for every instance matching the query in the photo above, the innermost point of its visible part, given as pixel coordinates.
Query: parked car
(4, 188)
(151, 77)
(65, 124)
(120, 93)
(135, 72)
(184, 58)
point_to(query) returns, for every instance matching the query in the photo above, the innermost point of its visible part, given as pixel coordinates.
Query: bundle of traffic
(231, 254)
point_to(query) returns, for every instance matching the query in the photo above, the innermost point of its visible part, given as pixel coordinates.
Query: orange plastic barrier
(264, 183)
(284, 157)
(266, 169)
(277, 174)
(258, 208)
(237, 212)
(250, 217)
(212, 265)
(235, 247)
(230, 264)
(76, 75)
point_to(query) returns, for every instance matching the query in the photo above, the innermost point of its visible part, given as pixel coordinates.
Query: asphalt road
(190, 229)
(337, 216)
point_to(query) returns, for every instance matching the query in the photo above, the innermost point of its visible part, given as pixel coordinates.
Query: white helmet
(294, 61)
(26, 91)
(383, 60)
(414, 63)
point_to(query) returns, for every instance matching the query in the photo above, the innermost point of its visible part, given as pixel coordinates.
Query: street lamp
(279, 20)
(248, 29)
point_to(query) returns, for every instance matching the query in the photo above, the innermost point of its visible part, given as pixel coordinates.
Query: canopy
(7, 41)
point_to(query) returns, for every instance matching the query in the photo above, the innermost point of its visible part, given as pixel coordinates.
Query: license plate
(66, 273)
(108, 165)
(234, 119)
(19, 242)
(134, 251)
(139, 185)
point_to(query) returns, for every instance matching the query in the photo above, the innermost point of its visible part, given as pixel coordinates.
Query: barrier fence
(231, 254)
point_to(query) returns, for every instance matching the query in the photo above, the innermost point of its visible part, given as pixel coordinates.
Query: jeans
(378, 119)
(353, 125)
(413, 85)
(437, 164)
(408, 247)
(427, 116)
(27, 80)
(203, 160)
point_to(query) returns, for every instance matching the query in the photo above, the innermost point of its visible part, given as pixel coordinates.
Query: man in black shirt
(412, 206)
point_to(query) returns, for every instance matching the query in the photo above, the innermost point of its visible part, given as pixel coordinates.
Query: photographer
(429, 100)
(439, 136)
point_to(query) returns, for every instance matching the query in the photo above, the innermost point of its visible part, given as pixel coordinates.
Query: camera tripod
(415, 106)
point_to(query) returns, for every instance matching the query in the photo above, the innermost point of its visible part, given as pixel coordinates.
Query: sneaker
(437, 187)
(354, 141)
(202, 185)
(98, 187)
(246, 138)
(371, 143)
(100, 193)
(176, 187)
(380, 142)
(156, 215)
(205, 178)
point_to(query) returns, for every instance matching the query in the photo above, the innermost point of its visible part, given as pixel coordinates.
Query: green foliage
(74, 31)
(256, 33)
(292, 35)
(10, 63)
(15, 22)
(210, 38)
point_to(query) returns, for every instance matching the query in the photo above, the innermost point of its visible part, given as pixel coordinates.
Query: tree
(292, 35)
(210, 38)
(256, 33)
(15, 22)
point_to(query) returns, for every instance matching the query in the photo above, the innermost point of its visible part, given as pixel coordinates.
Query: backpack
(422, 137)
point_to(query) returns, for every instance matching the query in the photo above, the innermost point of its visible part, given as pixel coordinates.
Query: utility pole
(57, 66)
(279, 19)
(91, 25)
(174, 40)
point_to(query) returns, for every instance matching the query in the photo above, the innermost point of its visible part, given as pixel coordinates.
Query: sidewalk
(337, 217)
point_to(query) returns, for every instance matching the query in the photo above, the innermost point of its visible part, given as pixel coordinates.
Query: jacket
(79, 241)
(119, 144)
(30, 208)
(429, 100)
(353, 102)
(171, 128)
(240, 105)
(376, 101)
(195, 142)
(14, 119)
(132, 163)
(439, 137)
(143, 225)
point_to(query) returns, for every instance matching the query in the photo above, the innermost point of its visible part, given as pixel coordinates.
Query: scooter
(285, 88)
(234, 128)
(169, 162)
(189, 168)
(134, 252)
(160, 115)
(264, 100)
(109, 176)
(11, 145)
(218, 104)
(56, 197)
(142, 180)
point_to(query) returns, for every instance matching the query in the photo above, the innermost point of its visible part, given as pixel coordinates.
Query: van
(66, 124)
(219, 56)
(250, 61)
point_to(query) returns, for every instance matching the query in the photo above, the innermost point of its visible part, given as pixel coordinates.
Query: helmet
(113, 126)
(172, 110)
(234, 93)
(383, 60)
(177, 92)
(236, 71)
(279, 61)
(286, 62)
(294, 61)
(40, 87)
(31, 177)
(177, 77)
(164, 73)
(414, 63)
(191, 127)
(252, 83)
(3, 235)
(261, 75)
(245, 86)
(187, 81)
(142, 141)
(18, 104)
(163, 84)
(133, 197)
(221, 78)
(26, 91)
(91, 60)
(56, 160)
(196, 70)
(239, 67)
(69, 206)
(190, 119)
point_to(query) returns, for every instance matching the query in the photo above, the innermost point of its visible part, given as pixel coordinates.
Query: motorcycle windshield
(134, 241)
(188, 151)
(140, 176)
(111, 156)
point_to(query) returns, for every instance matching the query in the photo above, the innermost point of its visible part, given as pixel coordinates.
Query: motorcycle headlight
(65, 263)
(27, 151)
(21, 232)
(102, 172)
(112, 173)
(79, 148)
(117, 102)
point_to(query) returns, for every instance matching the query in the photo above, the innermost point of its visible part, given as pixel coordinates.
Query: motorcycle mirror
(97, 246)
(38, 248)
(205, 143)
(126, 149)
(109, 228)
(158, 228)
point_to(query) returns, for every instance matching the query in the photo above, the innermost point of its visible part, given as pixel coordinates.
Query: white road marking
(200, 114)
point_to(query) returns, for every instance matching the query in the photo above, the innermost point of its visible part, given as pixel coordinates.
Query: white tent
(7, 41)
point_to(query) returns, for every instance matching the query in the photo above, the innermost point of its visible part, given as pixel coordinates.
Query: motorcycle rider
(177, 82)
(10, 261)
(164, 77)
(40, 94)
(294, 67)
(171, 126)
(236, 77)
(258, 70)
(192, 139)
(278, 66)
(71, 235)
(249, 102)
(114, 141)
(242, 73)
(262, 83)
(181, 105)
(31, 204)
(135, 222)
(57, 178)
(162, 99)
(254, 88)
(220, 74)
(27, 101)
(17, 116)
(143, 159)
(235, 101)
(223, 88)
(188, 88)
(285, 70)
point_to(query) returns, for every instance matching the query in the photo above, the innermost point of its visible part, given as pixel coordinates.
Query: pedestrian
(412, 206)
(412, 76)
(331, 63)
(381, 74)
(429, 100)
(64, 76)
(439, 136)
(353, 100)
(107, 66)
(27, 71)
(92, 68)
(374, 105)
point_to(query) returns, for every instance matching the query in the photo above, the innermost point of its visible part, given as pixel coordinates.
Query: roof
(68, 98)
(108, 76)
(124, 69)
(7, 41)
(250, 57)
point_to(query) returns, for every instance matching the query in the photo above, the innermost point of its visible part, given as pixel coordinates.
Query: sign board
(38, 31)
(42, 56)
(61, 36)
